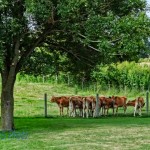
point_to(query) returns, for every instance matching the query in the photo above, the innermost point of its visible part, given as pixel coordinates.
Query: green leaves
(88, 31)
(130, 74)
(40, 10)
(108, 26)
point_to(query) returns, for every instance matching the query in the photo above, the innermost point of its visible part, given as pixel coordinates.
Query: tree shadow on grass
(26, 126)
(58, 124)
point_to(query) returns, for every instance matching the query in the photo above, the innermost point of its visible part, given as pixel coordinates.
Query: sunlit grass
(33, 131)
(74, 133)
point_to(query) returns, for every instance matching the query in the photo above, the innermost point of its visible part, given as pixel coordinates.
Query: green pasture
(34, 132)
(57, 133)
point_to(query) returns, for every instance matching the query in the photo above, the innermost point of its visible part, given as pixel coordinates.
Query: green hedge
(130, 74)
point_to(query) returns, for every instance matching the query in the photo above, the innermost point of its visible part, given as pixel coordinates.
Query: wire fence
(44, 108)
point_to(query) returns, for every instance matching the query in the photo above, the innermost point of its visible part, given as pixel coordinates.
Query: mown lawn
(60, 133)
(34, 132)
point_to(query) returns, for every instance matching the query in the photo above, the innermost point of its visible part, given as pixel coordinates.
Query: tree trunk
(7, 103)
(8, 74)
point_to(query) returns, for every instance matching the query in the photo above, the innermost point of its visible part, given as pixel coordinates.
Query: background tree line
(132, 75)
(126, 74)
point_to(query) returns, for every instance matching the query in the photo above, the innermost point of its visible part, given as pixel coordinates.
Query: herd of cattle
(88, 106)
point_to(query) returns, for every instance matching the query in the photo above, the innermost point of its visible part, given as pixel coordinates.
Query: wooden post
(45, 104)
(147, 102)
(97, 106)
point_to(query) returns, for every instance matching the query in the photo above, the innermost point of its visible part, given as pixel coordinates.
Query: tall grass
(83, 88)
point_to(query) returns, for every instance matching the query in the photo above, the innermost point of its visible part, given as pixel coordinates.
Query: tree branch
(29, 51)
(78, 57)
(88, 39)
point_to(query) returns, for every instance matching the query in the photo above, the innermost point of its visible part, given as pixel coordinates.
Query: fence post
(45, 104)
(97, 106)
(147, 102)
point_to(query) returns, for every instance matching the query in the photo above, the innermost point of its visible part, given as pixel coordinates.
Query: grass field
(117, 133)
(34, 132)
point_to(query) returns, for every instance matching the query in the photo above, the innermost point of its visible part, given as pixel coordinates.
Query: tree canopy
(87, 31)
(94, 32)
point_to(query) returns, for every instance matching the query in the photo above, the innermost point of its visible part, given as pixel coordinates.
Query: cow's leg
(134, 113)
(87, 113)
(93, 109)
(70, 108)
(140, 111)
(73, 109)
(107, 112)
(80, 112)
(67, 111)
(100, 109)
(93, 112)
(135, 108)
(116, 110)
(62, 110)
(113, 110)
(74, 112)
(125, 108)
(87, 110)
(84, 109)
(103, 110)
(83, 112)
(59, 109)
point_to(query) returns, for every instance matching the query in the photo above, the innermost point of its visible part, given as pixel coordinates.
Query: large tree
(24, 26)
(85, 29)
(95, 32)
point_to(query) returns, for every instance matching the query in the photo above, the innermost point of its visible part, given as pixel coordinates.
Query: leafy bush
(129, 74)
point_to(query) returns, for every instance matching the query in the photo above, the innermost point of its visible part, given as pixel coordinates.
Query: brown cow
(102, 100)
(62, 101)
(75, 102)
(138, 104)
(107, 104)
(120, 101)
(89, 104)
